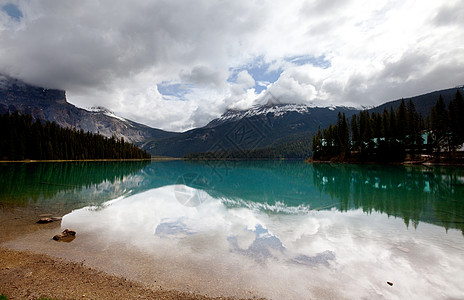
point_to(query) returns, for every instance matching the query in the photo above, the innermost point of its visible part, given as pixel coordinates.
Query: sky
(177, 65)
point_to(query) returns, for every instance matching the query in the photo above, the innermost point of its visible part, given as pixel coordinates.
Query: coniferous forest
(298, 149)
(23, 138)
(394, 135)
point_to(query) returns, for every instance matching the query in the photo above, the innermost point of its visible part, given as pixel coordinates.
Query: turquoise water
(277, 229)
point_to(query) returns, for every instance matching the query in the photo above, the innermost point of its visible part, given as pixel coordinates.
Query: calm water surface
(273, 229)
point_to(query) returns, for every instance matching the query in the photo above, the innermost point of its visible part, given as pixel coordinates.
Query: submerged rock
(66, 236)
(45, 220)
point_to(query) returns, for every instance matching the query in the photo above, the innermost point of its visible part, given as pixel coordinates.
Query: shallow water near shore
(269, 229)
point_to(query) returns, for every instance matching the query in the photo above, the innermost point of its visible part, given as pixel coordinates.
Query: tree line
(23, 138)
(393, 134)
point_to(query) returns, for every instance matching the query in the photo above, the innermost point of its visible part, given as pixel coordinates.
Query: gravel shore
(25, 275)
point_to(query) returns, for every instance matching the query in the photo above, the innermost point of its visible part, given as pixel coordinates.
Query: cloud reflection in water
(285, 253)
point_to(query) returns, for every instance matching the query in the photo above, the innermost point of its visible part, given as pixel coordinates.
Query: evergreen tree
(343, 136)
(355, 134)
(317, 144)
(393, 123)
(456, 121)
(440, 123)
(413, 131)
(387, 130)
(366, 134)
(402, 122)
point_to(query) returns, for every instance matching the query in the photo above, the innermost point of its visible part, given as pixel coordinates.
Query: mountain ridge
(52, 105)
(423, 102)
(247, 130)
(261, 126)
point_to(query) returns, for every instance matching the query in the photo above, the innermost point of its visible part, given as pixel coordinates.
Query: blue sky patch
(319, 62)
(260, 72)
(13, 11)
(178, 90)
(258, 69)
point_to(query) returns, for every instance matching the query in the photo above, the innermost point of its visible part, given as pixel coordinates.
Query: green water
(63, 185)
(275, 229)
(414, 193)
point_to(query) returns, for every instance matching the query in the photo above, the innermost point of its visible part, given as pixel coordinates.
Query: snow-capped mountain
(277, 110)
(256, 128)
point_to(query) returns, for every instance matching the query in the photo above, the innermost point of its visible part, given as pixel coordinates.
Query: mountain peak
(277, 110)
(15, 90)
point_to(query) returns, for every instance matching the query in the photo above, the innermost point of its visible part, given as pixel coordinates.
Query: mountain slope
(51, 105)
(265, 126)
(256, 128)
(423, 103)
(270, 126)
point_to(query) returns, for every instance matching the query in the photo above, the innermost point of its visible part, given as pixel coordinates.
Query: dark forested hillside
(251, 132)
(23, 138)
(298, 149)
(393, 134)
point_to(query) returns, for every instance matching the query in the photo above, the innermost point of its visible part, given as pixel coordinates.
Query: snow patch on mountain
(277, 110)
(105, 111)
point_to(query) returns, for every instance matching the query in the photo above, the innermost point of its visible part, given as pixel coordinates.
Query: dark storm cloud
(65, 44)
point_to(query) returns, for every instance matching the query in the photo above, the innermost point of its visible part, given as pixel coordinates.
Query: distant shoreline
(90, 160)
(308, 160)
(404, 163)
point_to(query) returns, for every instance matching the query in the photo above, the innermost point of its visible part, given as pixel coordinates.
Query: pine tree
(366, 133)
(440, 123)
(456, 121)
(413, 140)
(343, 136)
(402, 122)
(355, 134)
(317, 144)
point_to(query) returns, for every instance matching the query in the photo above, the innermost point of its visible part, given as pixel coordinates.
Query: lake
(276, 229)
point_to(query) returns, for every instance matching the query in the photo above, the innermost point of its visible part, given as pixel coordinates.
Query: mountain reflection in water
(414, 193)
